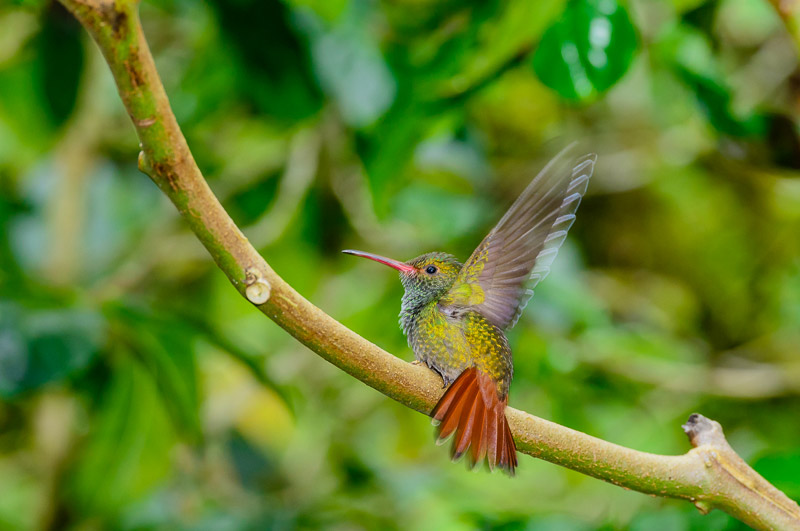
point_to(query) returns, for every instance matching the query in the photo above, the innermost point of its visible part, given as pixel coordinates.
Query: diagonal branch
(711, 474)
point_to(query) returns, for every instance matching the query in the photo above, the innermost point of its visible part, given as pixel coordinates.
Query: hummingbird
(455, 314)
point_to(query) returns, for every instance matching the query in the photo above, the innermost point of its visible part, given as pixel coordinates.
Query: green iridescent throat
(423, 289)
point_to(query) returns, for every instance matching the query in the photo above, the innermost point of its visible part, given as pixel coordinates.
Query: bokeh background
(138, 390)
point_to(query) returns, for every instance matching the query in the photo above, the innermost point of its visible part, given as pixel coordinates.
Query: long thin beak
(400, 266)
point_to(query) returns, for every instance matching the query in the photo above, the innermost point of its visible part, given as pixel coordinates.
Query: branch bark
(711, 475)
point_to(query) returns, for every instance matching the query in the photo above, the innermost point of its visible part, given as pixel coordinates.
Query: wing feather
(499, 277)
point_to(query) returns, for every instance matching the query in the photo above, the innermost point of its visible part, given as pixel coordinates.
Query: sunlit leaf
(588, 50)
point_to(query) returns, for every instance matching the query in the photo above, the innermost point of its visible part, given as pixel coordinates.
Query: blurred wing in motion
(498, 278)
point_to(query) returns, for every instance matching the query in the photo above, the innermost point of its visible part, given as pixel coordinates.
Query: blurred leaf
(328, 10)
(279, 78)
(169, 356)
(61, 61)
(445, 216)
(671, 519)
(587, 50)
(119, 206)
(689, 53)
(23, 109)
(387, 150)
(511, 33)
(715, 101)
(782, 470)
(701, 16)
(255, 469)
(447, 155)
(554, 523)
(42, 346)
(20, 492)
(350, 66)
(203, 327)
(127, 452)
(165, 348)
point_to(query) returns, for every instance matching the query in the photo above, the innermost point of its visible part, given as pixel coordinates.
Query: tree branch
(711, 475)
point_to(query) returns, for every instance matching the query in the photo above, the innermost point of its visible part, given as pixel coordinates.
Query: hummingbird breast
(450, 341)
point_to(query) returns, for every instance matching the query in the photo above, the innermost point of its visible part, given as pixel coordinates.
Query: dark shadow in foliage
(61, 66)
(248, 205)
(42, 346)
(256, 469)
(702, 18)
(784, 142)
(716, 102)
(280, 81)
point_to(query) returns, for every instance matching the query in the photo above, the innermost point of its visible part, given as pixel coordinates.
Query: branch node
(703, 507)
(702, 430)
(144, 167)
(258, 289)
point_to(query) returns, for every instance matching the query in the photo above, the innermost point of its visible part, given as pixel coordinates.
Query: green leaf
(274, 58)
(715, 100)
(587, 50)
(690, 55)
(782, 470)
(165, 348)
(59, 46)
(510, 33)
(42, 346)
(170, 359)
(127, 453)
(350, 66)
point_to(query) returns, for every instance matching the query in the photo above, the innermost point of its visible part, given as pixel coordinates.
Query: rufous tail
(471, 408)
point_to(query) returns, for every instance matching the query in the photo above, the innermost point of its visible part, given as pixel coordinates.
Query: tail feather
(447, 401)
(479, 436)
(512, 451)
(492, 443)
(502, 454)
(467, 422)
(451, 408)
(471, 409)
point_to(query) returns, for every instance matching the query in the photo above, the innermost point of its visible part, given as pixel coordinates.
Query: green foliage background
(139, 391)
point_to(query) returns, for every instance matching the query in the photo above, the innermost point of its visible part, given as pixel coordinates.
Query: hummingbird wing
(498, 278)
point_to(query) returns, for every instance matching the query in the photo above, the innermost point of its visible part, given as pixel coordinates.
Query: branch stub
(702, 430)
(258, 290)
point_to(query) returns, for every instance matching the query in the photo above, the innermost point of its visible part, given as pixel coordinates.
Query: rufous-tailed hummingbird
(454, 315)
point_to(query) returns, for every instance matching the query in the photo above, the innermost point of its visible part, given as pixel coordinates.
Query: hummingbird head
(425, 278)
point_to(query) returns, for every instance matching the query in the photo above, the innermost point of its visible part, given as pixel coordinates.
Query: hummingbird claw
(416, 362)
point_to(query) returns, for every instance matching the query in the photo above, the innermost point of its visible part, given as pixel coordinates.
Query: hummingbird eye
(431, 269)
